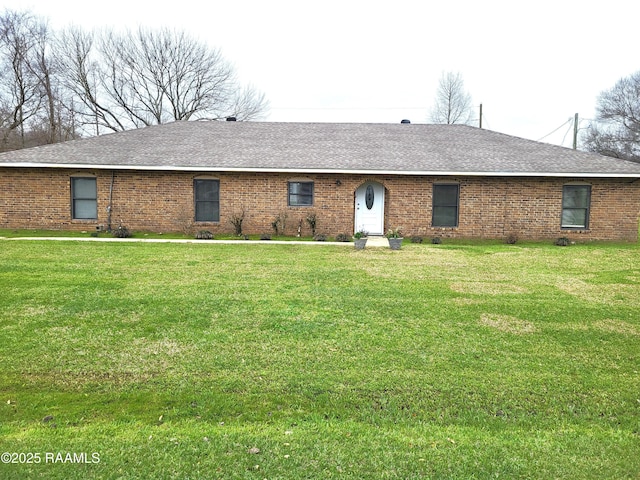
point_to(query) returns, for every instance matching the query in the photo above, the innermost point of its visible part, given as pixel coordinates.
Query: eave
(431, 173)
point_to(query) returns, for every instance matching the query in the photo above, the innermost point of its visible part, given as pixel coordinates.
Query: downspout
(109, 207)
(505, 208)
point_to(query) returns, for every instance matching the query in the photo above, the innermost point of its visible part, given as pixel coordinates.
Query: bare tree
(452, 103)
(19, 93)
(246, 104)
(56, 86)
(83, 77)
(41, 66)
(195, 78)
(134, 79)
(53, 117)
(616, 133)
(31, 108)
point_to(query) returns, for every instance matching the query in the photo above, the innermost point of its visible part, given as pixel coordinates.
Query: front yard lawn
(132, 360)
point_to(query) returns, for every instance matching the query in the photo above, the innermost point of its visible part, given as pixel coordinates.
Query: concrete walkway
(375, 242)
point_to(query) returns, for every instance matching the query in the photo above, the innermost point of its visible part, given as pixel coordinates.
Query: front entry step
(377, 241)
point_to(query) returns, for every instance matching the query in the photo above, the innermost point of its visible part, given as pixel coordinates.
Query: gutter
(165, 168)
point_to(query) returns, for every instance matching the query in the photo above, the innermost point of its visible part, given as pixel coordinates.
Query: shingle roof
(322, 147)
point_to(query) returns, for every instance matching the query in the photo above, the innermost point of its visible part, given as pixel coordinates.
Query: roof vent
(405, 121)
(231, 119)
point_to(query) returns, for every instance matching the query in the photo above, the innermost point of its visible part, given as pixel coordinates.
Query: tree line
(60, 85)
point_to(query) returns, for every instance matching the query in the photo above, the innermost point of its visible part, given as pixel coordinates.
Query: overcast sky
(532, 64)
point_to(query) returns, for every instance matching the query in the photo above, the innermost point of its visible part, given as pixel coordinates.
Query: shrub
(236, 220)
(204, 235)
(436, 240)
(511, 239)
(121, 232)
(394, 233)
(320, 237)
(563, 242)
(279, 223)
(186, 221)
(265, 236)
(416, 239)
(312, 221)
(342, 237)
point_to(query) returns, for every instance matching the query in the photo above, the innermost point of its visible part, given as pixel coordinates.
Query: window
(207, 200)
(445, 205)
(300, 194)
(575, 206)
(84, 198)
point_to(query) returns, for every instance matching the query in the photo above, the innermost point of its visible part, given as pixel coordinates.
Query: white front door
(370, 208)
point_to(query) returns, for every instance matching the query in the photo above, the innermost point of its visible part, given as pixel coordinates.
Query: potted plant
(360, 239)
(394, 235)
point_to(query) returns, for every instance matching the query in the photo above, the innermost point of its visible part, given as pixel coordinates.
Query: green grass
(448, 361)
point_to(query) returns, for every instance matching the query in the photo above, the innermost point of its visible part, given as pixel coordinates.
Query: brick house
(431, 180)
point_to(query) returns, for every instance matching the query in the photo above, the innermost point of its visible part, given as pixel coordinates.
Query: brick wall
(490, 207)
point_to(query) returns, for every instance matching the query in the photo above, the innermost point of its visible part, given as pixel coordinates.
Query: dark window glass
(445, 205)
(84, 198)
(369, 197)
(300, 194)
(207, 200)
(576, 200)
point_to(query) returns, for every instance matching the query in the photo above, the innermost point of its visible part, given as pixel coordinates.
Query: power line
(551, 133)
(485, 122)
(567, 132)
(349, 108)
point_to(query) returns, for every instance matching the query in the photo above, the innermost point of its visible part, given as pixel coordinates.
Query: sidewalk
(371, 242)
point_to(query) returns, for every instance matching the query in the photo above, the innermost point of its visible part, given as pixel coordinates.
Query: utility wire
(486, 124)
(567, 132)
(548, 134)
(349, 108)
